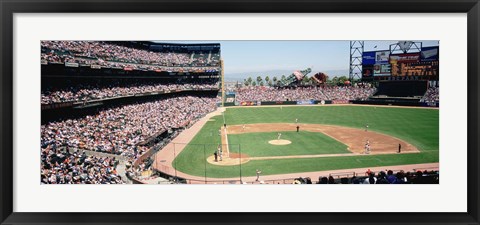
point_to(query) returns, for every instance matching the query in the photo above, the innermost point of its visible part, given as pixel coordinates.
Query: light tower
(356, 52)
(403, 47)
(222, 77)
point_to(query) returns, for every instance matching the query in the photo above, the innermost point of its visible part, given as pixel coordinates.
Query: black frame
(9, 7)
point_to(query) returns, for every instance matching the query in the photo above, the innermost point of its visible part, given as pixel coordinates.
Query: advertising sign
(248, 103)
(71, 64)
(368, 58)
(382, 57)
(340, 102)
(306, 102)
(367, 71)
(381, 70)
(429, 54)
(405, 58)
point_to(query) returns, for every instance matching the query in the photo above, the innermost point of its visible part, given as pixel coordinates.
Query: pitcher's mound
(280, 142)
(228, 161)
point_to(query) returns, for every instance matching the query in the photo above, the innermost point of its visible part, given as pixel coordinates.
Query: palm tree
(249, 80)
(342, 79)
(259, 79)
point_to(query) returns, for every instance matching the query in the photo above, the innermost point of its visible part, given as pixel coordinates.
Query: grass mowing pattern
(418, 126)
(303, 143)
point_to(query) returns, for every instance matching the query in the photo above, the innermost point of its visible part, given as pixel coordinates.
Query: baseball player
(296, 120)
(243, 127)
(258, 174)
(366, 127)
(279, 136)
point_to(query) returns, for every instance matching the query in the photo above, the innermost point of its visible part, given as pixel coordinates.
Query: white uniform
(279, 135)
(258, 174)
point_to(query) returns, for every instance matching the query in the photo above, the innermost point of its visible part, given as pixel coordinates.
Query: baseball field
(328, 138)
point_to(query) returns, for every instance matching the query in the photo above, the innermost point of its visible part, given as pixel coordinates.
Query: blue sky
(257, 56)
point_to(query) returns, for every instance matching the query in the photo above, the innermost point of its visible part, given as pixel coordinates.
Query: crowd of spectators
(63, 167)
(348, 92)
(431, 95)
(387, 177)
(81, 93)
(119, 130)
(117, 56)
(262, 93)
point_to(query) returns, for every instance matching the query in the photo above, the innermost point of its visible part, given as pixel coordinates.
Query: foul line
(226, 141)
(325, 155)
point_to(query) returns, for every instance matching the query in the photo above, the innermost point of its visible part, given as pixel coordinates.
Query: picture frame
(9, 8)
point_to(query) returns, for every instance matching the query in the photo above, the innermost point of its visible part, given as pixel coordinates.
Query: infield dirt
(354, 138)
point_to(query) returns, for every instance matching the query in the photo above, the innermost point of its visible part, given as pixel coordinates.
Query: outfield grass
(303, 143)
(417, 126)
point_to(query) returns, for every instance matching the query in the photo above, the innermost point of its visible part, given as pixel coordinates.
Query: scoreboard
(406, 66)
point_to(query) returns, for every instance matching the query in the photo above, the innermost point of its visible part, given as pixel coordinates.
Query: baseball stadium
(150, 112)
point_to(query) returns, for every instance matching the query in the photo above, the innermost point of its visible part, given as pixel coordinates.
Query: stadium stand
(128, 104)
(304, 93)
(432, 95)
(106, 55)
(85, 92)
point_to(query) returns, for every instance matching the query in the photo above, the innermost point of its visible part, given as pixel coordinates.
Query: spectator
(371, 179)
(331, 180)
(390, 177)
(382, 178)
(323, 180)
